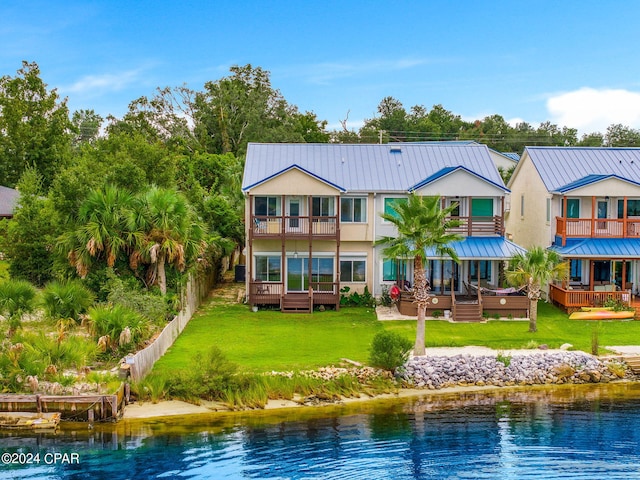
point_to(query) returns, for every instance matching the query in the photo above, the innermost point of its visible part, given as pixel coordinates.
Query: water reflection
(573, 432)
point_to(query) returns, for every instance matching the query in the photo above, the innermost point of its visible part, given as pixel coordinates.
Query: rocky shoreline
(435, 372)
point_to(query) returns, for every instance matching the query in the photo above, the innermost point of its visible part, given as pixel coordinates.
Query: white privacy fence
(194, 292)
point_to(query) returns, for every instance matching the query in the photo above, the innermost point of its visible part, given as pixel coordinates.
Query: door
(603, 210)
(293, 213)
(297, 273)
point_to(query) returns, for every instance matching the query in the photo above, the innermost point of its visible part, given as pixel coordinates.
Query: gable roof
(589, 180)
(394, 167)
(565, 168)
(446, 171)
(8, 201)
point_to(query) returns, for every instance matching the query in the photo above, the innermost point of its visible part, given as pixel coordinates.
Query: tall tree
(422, 224)
(242, 108)
(30, 232)
(87, 125)
(103, 230)
(35, 130)
(171, 233)
(535, 269)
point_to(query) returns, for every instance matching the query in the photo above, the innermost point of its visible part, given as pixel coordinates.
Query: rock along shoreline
(502, 370)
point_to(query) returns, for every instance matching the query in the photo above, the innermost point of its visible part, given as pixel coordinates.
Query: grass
(269, 340)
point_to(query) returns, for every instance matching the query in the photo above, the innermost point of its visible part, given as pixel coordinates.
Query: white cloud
(592, 110)
(327, 72)
(108, 82)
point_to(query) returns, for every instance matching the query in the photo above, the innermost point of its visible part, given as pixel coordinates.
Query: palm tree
(171, 233)
(422, 224)
(102, 230)
(533, 269)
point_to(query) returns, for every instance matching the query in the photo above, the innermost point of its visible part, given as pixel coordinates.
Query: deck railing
(479, 226)
(284, 225)
(585, 298)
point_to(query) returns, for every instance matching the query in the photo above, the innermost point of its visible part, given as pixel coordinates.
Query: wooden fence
(195, 291)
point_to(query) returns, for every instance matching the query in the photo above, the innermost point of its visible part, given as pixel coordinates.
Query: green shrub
(129, 294)
(66, 299)
(356, 299)
(389, 350)
(112, 321)
(210, 377)
(16, 299)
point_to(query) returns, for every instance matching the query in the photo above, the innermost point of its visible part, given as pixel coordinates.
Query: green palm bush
(16, 298)
(66, 299)
(112, 321)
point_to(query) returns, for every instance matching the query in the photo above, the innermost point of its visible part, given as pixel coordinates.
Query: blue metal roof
(512, 155)
(367, 167)
(562, 166)
(483, 248)
(601, 248)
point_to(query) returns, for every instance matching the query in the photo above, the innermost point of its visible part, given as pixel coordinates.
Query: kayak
(602, 315)
(596, 309)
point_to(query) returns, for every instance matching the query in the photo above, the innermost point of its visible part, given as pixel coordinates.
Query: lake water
(586, 432)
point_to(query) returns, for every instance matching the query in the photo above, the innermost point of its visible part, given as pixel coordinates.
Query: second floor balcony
(479, 226)
(597, 228)
(285, 226)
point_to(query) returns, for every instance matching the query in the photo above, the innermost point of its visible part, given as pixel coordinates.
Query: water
(587, 432)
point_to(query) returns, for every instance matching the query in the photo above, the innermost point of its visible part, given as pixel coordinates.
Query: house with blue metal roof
(585, 204)
(313, 214)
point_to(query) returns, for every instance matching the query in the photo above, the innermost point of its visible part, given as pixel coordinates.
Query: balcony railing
(288, 226)
(598, 227)
(479, 226)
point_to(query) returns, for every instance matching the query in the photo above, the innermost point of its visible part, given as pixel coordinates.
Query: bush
(111, 321)
(16, 299)
(389, 350)
(66, 299)
(128, 294)
(356, 299)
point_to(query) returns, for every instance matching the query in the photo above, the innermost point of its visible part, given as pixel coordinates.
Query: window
(322, 271)
(633, 208)
(573, 208)
(548, 210)
(575, 270)
(353, 210)
(389, 202)
(322, 206)
(456, 211)
(353, 271)
(389, 270)
(267, 206)
(522, 205)
(485, 269)
(482, 207)
(268, 268)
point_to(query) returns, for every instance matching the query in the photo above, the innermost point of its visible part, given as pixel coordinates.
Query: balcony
(280, 227)
(479, 226)
(597, 228)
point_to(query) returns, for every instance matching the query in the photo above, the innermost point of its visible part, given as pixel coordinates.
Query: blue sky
(575, 63)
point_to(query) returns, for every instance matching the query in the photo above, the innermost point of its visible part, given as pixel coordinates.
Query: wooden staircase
(296, 303)
(467, 312)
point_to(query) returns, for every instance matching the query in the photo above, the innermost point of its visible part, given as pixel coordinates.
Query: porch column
(593, 216)
(591, 273)
(625, 225)
(564, 220)
(624, 275)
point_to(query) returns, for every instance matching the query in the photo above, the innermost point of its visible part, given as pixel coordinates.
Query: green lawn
(270, 340)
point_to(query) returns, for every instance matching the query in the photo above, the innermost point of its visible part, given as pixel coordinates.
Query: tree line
(161, 185)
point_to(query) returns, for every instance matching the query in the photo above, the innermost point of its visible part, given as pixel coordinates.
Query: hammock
(498, 291)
